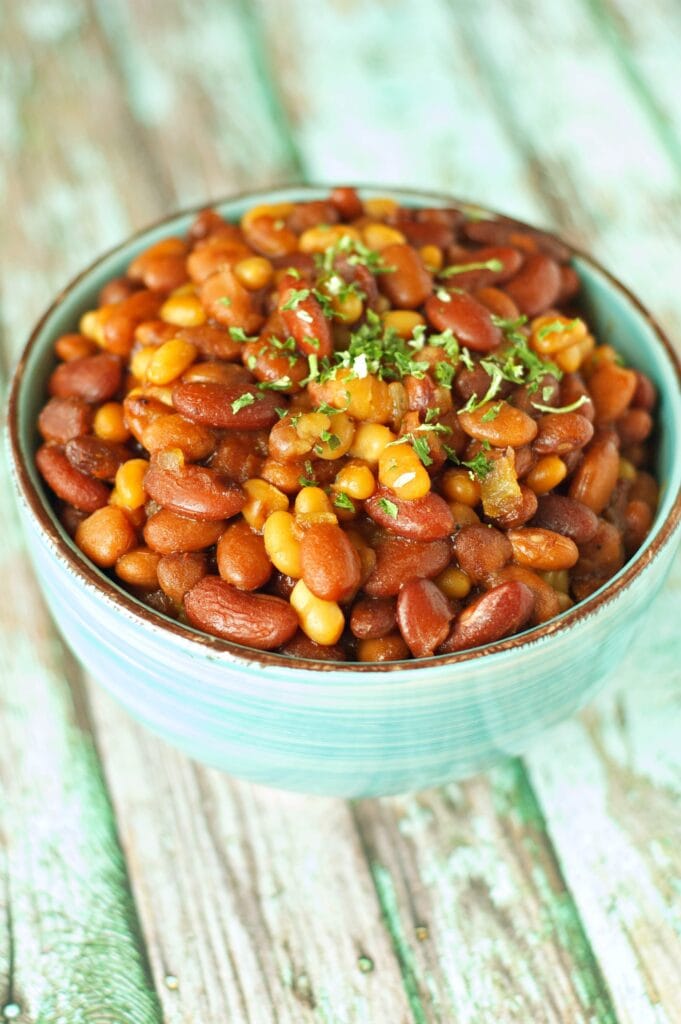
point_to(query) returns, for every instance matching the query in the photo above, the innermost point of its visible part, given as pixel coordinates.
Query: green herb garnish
(564, 408)
(341, 500)
(463, 268)
(389, 507)
(248, 398)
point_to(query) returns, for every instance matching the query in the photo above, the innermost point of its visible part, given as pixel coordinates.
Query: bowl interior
(614, 314)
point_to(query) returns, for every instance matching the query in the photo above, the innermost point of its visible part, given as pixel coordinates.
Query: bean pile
(349, 430)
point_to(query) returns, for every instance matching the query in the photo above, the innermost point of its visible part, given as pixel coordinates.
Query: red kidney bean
(645, 395)
(97, 458)
(421, 233)
(423, 616)
(536, 286)
(562, 432)
(310, 214)
(194, 491)
(179, 572)
(638, 518)
(546, 600)
(254, 620)
(519, 513)
(347, 202)
(242, 558)
(426, 518)
(507, 232)
(373, 617)
(226, 407)
(569, 284)
(634, 426)
(68, 483)
(595, 477)
(567, 516)
(542, 550)
(474, 383)
(302, 647)
(501, 611)
(505, 261)
(481, 551)
(330, 562)
(304, 319)
(399, 560)
(500, 424)
(92, 378)
(467, 318)
(408, 284)
(64, 418)
(612, 388)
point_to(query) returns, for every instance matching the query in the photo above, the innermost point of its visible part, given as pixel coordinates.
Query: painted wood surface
(544, 891)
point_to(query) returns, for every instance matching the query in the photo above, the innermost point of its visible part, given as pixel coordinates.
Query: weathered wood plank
(479, 913)
(257, 906)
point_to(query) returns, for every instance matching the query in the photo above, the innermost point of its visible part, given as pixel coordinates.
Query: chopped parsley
(224, 300)
(333, 440)
(357, 254)
(341, 500)
(464, 268)
(307, 480)
(557, 327)
(239, 334)
(491, 413)
(422, 449)
(445, 373)
(432, 415)
(248, 398)
(481, 466)
(564, 408)
(389, 507)
(281, 384)
(297, 296)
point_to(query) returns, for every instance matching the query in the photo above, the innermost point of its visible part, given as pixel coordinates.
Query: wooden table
(139, 887)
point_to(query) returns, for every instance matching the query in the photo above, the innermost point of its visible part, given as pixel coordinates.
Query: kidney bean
(214, 255)
(422, 233)
(179, 572)
(499, 423)
(536, 286)
(645, 395)
(566, 516)
(168, 533)
(92, 378)
(347, 202)
(302, 647)
(195, 491)
(97, 458)
(226, 300)
(391, 647)
(408, 284)
(195, 441)
(254, 620)
(562, 432)
(211, 404)
(212, 342)
(525, 460)
(161, 268)
(71, 518)
(470, 321)
(310, 214)
(501, 611)
(63, 418)
(304, 319)
(595, 477)
(426, 518)
(572, 389)
(612, 388)
(373, 617)
(330, 562)
(241, 557)
(600, 558)
(634, 426)
(423, 616)
(267, 362)
(569, 284)
(105, 536)
(518, 513)
(116, 290)
(645, 487)
(638, 518)
(546, 600)
(399, 560)
(543, 550)
(139, 568)
(268, 236)
(497, 302)
(481, 551)
(68, 483)
(545, 392)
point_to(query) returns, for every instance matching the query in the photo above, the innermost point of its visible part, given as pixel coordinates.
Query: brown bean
(254, 620)
(423, 616)
(195, 491)
(573, 389)
(69, 483)
(310, 214)
(116, 290)
(645, 395)
(267, 362)
(92, 378)
(562, 432)
(569, 284)
(211, 342)
(179, 572)
(638, 518)
(501, 611)
(498, 303)
(470, 321)
(545, 390)
(474, 383)
(426, 518)
(226, 300)
(645, 487)
(408, 284)
(239, 455)
(421, 233)
(302, 647)
(600, 558)
(399, 560)
(63, 418)
(97, 458)
(330, 562)
(347, 202)
(269, 237)
(634, 426)
(373, 617)
(241, 557)
(216, 405)
(546, 600)
(612, 388)
(536, 286)
(169, 533)
(195, 441)
(481, 551)
(73, 346)
(595, 477)
(500, 424)
(518, 513)
(139, 568)
(542, 550)
(505, 257)
(105, 536)
(391, 647)
(508, 232)
(141, 410)
(566, 516)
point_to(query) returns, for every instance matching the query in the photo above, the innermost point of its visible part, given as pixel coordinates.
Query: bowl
(343, 729)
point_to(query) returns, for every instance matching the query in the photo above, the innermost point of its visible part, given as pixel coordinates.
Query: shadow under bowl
(343, 729)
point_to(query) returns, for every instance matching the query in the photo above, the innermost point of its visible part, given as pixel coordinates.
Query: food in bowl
(349, 429)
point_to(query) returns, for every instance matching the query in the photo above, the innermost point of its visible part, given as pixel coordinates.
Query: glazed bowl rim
(218, 649)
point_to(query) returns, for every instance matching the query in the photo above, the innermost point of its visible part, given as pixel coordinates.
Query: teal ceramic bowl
(349, 730)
